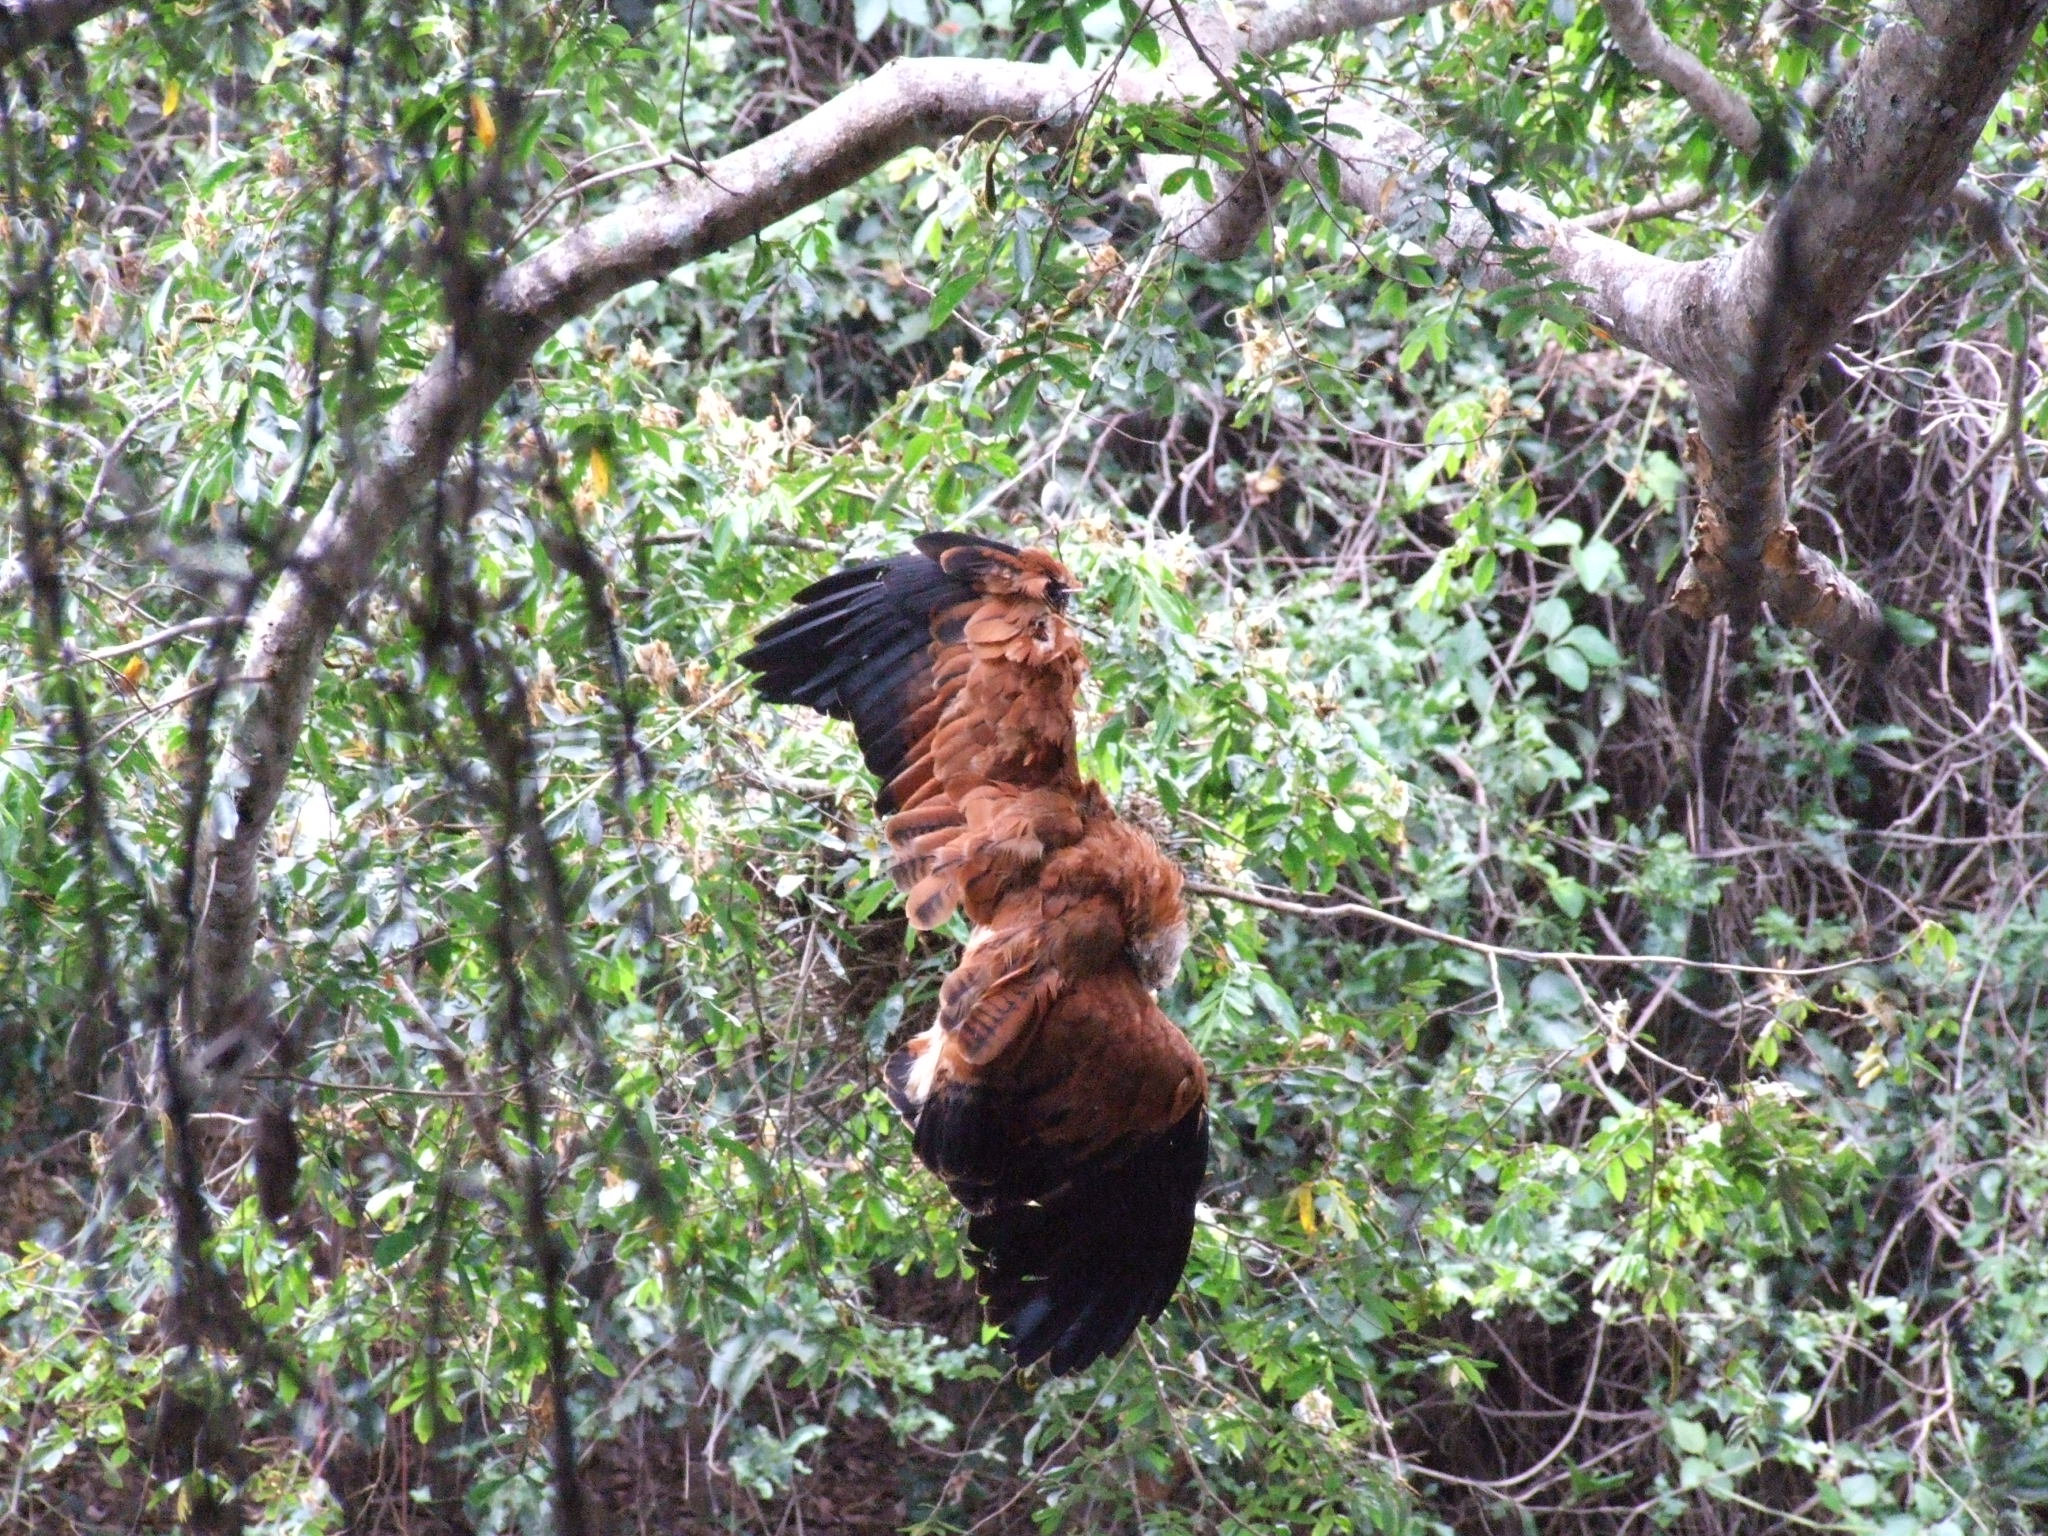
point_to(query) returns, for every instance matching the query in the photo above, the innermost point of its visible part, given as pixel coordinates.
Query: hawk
(1060, 1106)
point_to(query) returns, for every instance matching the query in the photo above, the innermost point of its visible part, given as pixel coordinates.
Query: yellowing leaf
(600, 472)
(485, 124)
(1305, 1207)
(173, 94)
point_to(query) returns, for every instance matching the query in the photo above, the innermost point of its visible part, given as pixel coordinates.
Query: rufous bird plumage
(1060, 1106)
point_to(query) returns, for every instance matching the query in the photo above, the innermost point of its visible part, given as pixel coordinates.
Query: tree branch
(909, 102)
(1802, 585)
(26, 25)
(1659, 207)
(1268, 28)
(1644, 44)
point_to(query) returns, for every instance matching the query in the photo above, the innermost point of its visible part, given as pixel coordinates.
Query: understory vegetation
(1626, 1034)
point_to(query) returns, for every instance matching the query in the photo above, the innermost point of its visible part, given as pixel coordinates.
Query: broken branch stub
(1802, 586)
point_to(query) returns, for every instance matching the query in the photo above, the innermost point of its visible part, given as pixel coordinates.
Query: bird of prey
(1060, 1106)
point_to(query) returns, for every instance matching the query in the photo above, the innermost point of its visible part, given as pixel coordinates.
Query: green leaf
(1912, 630)
(1071, 31)
(1593, 645)
(1568, 666)
(1596, 562)
(393, 1246)
(951, 292)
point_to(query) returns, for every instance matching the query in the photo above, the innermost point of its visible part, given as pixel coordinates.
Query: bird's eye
(1056, 596)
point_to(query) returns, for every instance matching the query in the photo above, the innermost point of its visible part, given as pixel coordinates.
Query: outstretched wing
(1060, 1106)
(958, 669)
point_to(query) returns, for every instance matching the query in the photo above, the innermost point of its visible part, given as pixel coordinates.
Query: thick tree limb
(1894, 146)
(1644, 44)
(1269, 28)
(910, 102)
(1202, 50)
(26, 25)
(1801, 584)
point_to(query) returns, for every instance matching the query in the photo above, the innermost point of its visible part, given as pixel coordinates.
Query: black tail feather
(1072, 1277)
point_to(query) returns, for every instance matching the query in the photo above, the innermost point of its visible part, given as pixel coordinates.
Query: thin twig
(1510, 952)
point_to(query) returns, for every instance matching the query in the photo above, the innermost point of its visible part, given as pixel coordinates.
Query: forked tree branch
(1647, 46)
(1893, 149)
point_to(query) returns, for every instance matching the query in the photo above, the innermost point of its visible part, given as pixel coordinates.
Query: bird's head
(1040, 576)
(999, 570)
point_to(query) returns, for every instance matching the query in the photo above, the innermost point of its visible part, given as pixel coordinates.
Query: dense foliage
(1651, 1139)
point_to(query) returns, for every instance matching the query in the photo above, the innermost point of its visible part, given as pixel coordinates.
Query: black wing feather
(858, 643)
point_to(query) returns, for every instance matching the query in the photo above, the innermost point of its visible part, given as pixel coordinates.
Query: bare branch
(1662, 207)
(26, 25)
(1644, 44)
(1983, 215)
(1332, 911)
(1270, 28)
